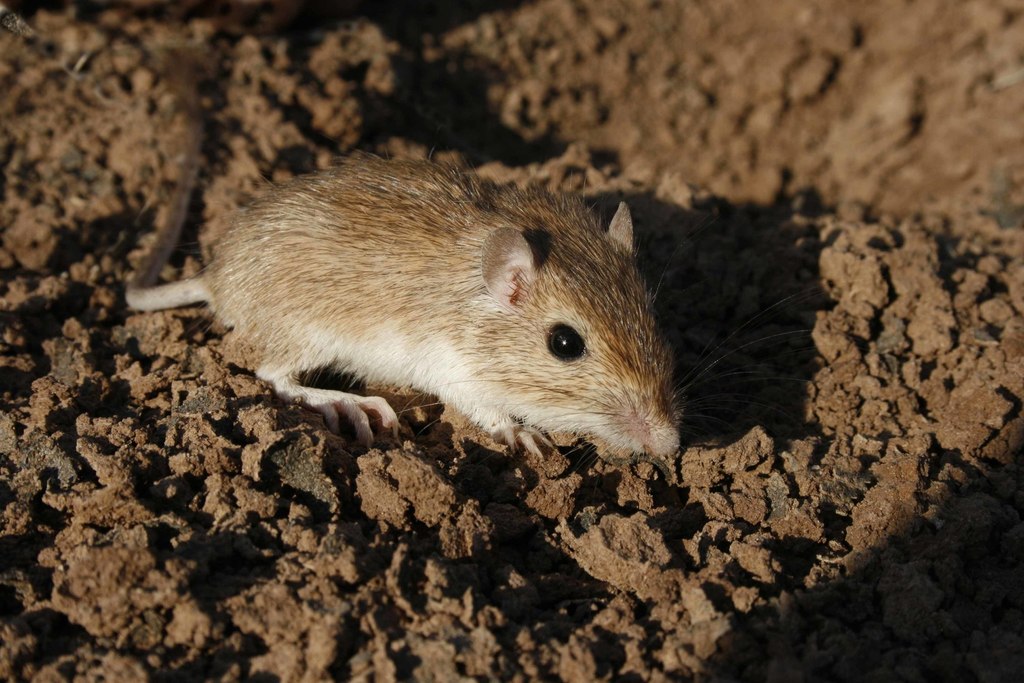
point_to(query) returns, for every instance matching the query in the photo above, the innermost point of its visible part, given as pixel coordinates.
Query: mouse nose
(658, 437)
(663, 442)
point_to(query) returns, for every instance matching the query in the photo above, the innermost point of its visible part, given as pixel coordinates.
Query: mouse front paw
(335, 405)
(516, 435)
(355, 409)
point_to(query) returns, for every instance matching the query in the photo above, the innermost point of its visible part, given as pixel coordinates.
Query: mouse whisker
(698, 417)
(691, 377)
(586, 460)
(410, 408)
(664, 270)
(774, 409)
(704, 356)
(707, 221)
(796, 297)
(423, 430)
(753, 375)
(753, 371)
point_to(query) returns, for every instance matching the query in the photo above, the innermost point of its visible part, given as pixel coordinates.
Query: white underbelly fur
(389, 357)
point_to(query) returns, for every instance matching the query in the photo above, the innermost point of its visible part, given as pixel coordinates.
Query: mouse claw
(527, 438)
(355, 409)
(529, 442)
(356, 415)
(388, 417)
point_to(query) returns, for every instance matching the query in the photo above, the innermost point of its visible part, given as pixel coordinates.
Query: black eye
(566, 343)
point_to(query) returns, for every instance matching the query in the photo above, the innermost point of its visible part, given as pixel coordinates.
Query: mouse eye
(565, 343)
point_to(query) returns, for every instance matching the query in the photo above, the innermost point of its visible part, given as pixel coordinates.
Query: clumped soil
(829, 199)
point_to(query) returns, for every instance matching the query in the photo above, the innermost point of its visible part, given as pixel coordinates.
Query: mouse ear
(621, 228)
(509, 267)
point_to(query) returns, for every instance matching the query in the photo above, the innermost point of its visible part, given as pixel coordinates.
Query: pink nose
(659, 438)
(663, 442)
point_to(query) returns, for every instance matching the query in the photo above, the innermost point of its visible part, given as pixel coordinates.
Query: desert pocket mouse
(516, 306)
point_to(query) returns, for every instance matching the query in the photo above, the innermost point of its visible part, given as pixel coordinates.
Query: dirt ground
(830, 197)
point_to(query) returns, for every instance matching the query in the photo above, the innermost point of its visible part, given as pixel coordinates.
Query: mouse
(514, 305)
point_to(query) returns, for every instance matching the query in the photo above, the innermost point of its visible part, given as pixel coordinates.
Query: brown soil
(829, 196)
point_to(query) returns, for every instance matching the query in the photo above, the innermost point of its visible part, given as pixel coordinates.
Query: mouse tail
(174, 294)
(142, 292)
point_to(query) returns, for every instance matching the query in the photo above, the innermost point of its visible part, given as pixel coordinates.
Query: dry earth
(830, 196)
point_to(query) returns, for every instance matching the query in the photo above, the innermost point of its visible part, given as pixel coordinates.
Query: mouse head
(580, 352)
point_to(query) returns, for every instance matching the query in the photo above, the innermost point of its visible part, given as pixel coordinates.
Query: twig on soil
(13, 22)
(76, 71)
(16, 24)
(1007, 79)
